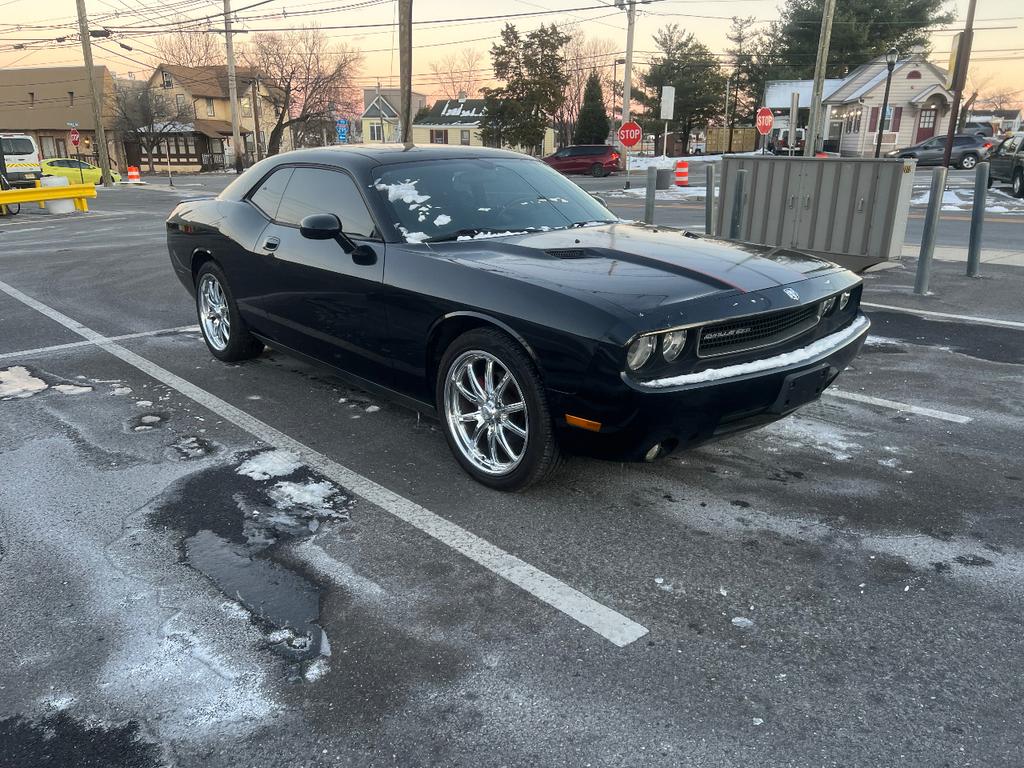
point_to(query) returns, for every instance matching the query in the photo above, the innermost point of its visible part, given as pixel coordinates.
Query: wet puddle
(231, 520)
(59, 740)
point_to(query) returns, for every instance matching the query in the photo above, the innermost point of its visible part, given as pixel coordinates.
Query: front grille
(755, 331)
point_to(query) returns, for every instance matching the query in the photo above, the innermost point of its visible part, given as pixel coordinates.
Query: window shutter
(873, 126)
(897, 113)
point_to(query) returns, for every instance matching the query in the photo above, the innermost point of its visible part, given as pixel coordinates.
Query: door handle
(271, 243)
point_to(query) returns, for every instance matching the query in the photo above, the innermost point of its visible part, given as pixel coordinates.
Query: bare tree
(309, 80)
(583, 56)
(149, 116)
(459, 73)
(190, 48)
(1001, 98)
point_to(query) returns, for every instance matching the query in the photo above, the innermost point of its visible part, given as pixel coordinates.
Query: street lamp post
(891, 57)
(615, 87)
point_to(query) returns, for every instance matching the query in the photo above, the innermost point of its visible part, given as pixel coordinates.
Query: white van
(21, 155)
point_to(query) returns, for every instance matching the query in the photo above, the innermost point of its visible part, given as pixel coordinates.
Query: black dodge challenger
(484, 287)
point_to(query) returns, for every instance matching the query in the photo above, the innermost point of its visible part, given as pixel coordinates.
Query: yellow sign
(953, 55)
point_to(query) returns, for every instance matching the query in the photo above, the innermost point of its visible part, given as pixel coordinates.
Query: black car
(968, 150)
(1006, 164)
(482, 286)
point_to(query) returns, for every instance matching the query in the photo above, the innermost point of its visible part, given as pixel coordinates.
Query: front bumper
(687, 410)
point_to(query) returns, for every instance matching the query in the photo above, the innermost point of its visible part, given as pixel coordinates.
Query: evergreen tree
(533, 69)
(694, 70)
(592, 125)
(747, 88)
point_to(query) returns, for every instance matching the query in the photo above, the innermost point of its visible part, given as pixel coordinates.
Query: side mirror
(599, 199)
(320, 226)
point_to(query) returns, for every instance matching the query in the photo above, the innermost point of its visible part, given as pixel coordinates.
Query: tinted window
(446, 200)
(267, 196)
(595, 150)
(315, 190)
(963, 141)
(17, 147)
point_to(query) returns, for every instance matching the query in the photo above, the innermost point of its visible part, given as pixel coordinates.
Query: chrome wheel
(214, 315)
(486, 412)
(968, 162)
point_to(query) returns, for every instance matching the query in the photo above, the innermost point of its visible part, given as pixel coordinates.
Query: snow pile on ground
(962, 200)
(313, 495)
(672, 193)
(17, 382)
(270, 464)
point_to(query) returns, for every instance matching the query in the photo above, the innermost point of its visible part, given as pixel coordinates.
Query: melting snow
(404, 191)
(742, 622)
(488, 235)
(317, 669)
(72, 389)
(17, 382)
(144, 403)
(121, 391)
(287, 494)
(441, 220)
(270, 464)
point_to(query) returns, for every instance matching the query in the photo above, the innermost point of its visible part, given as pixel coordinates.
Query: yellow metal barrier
(77, 192)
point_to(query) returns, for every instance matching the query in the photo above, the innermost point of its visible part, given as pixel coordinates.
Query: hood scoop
(571, 253)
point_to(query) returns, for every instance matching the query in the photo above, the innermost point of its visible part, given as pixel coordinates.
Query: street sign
(764, 121)
(630, 134)
(74, 137)
(341, 127)
(668, 101)
(71, 123)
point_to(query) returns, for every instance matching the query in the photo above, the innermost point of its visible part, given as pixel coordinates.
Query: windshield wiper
(578, 224)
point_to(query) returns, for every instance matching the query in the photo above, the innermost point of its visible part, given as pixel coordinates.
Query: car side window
(267, 195)
(318, 190)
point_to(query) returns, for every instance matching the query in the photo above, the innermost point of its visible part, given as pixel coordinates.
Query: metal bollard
(652, 185)
(931, 222)
(738, 194)
(709, 199)
(977, 218)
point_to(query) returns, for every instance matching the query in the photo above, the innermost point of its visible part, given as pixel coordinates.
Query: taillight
(986, 146)
(615, 155)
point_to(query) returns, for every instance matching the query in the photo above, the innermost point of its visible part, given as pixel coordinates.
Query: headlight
(844, 299)
(672, 344)
(826, 306)
(640, 352)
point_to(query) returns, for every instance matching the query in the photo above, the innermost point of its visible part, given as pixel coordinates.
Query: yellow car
(75, 171)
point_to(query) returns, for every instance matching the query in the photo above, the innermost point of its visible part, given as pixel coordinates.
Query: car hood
(635, 267)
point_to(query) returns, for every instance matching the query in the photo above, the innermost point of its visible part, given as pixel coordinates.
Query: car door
(1001, 161)
(318, 300)
(561, 160)
(930, 153)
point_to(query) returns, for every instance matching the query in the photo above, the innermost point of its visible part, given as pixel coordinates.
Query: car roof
(370, 155)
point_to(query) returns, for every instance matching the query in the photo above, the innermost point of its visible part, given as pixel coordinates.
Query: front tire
(1018, 184)
(224, 331)
(494, 411)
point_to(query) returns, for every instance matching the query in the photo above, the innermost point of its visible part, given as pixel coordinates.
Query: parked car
(1006, 164)
(76, 171)
(21, 156)
(483, 287)
(968, 150)
(595, 159)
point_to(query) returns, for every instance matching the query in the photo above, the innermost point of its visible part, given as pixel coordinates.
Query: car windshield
(468, 198)
(17, 147)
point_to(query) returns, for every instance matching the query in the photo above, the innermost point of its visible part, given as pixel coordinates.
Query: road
(842, 588)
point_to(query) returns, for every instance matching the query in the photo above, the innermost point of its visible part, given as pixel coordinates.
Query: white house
(918, 106)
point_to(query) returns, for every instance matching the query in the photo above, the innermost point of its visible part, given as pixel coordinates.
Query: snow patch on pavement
(72, 389)
(270, 464)
(314, 495)
(800, 430)
(17, 383)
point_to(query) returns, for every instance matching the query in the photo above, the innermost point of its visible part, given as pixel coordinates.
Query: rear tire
(967, 162)
(501, 434)
(1018, 184)
(597, 170)
(224, 331)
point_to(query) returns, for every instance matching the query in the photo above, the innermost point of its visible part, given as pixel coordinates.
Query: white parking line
(75, 344)
(897, 406)
(606, 622)
(948, 316)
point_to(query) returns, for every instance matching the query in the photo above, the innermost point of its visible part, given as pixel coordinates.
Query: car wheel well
(199, 257)
(450, 328)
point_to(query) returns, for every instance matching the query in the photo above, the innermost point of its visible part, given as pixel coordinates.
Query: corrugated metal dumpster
(852, 211)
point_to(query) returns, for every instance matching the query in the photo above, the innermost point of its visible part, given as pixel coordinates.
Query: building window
(439, 136)
(180, 101)
(887, 118)
(927, 118)
(914, 74)
(209, 108)
(31, 99)
(190, 144)
(246, 106)
(464, 138)
(71, 98)
(853, 121)
(168, 83)
(376, 132)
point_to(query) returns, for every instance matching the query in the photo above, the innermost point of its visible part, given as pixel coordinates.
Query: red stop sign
(630, 134)
(74, 137)
(764, 120)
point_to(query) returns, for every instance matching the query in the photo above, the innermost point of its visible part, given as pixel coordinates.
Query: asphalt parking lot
(253, 564)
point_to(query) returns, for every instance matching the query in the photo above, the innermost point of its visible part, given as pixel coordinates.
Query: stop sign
(74, 137)
(764, 121)
(630, 134)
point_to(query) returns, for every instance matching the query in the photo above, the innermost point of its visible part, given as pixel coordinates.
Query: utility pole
(959, 73)
(627, 72)
(256, 116)
(94, 97)
(380, 114)
(405, 69)
(236, 137)
(820, 64)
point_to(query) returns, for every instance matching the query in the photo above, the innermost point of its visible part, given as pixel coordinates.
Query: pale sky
(998, 61)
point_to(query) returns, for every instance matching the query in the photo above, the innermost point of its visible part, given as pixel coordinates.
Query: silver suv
(968, 150)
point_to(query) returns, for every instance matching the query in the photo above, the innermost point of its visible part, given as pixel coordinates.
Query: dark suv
(595, 159)
(968, 150)
(1006, 164)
